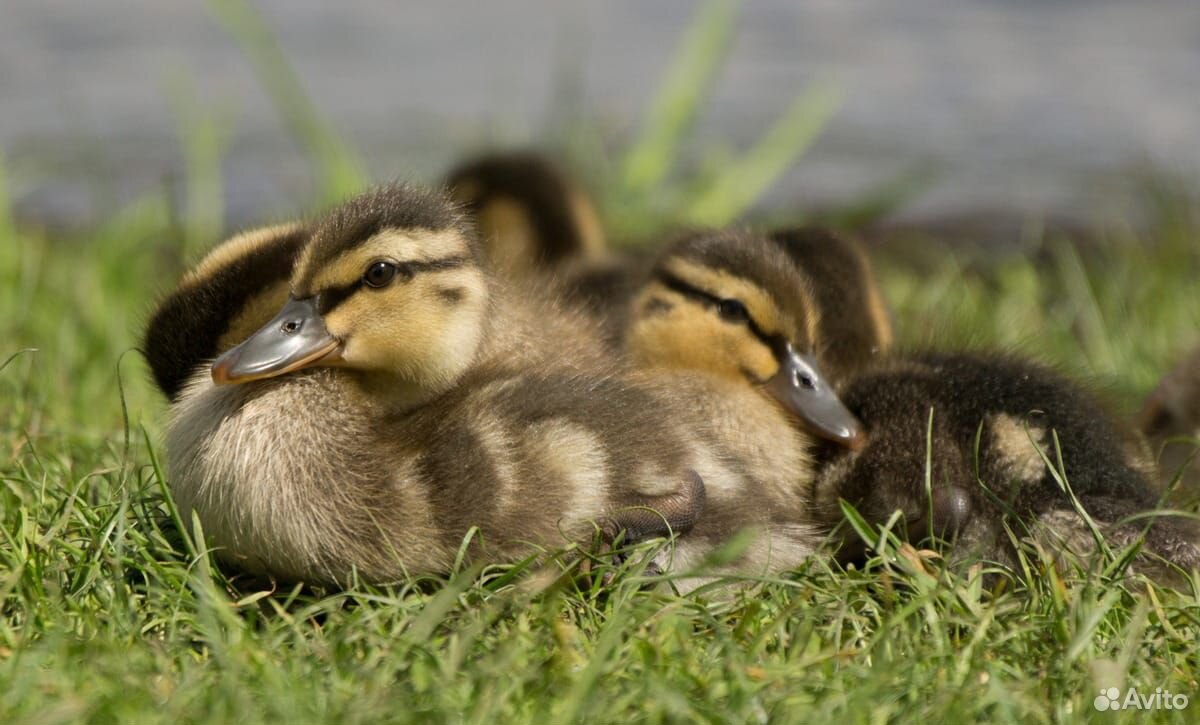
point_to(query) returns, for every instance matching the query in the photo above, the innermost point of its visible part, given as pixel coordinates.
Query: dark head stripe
(777, 343)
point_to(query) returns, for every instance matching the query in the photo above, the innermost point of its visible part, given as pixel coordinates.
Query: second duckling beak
(295, 338)
(801, 389)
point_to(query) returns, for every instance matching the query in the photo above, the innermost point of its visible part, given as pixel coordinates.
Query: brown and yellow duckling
(398, 398)
(726, 316)
(538, 222)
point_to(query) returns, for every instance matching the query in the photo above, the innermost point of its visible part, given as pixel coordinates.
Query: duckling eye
(379, 274)
(732, 311)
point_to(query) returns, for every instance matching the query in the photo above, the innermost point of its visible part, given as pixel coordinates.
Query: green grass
(109, 614)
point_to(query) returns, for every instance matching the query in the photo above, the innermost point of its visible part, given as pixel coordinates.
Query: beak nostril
(291, 326)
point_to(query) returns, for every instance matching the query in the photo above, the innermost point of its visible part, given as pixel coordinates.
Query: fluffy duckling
(1170, 420)
(726, 316)
(996, 422)
(399, 399)
(532, 218)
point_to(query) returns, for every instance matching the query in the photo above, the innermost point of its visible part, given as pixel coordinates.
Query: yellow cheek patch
(409, 328)
(724, 285)
(692, 337)
(237, 247)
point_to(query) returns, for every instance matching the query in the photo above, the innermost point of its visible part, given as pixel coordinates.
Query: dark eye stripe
(777, 343)
(333, 296)
(433, 265)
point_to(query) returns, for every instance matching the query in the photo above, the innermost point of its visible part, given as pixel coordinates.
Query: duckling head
(732, 304)
(389, 286)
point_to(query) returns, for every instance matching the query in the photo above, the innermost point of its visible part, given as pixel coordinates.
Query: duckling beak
(801, 388)
(295, 338)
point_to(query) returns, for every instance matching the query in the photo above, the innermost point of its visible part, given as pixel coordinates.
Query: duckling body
(379, 418)
(726, 316)
(996, 422)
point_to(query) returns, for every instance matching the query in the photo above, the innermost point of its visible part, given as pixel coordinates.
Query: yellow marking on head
(257, 311)
(236, 247)
(691, 336)
(399, 245)
(724, 285)
(420, 332)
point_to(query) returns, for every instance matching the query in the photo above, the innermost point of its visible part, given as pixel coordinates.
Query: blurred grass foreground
(109, 613)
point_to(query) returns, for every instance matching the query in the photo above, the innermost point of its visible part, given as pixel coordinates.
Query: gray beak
(296, 338)
(801, 388)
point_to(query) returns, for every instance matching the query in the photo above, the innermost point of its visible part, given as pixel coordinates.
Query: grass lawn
(109, 614)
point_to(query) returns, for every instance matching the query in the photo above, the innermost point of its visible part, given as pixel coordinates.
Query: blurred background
(931, 111)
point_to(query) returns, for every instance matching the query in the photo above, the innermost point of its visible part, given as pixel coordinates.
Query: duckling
(236, 288)
(1170, 420)
(855, 323)
(716, 299)
(532, 217)
(402, 398)
(727, 316)
(386, 410)
(997, 422)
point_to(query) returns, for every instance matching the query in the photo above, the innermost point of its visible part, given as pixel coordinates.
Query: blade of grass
(704, 46)
(339, 170)
(745, 180)
(204, 138)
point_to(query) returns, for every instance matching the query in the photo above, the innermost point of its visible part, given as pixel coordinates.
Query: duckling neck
(381, 393)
